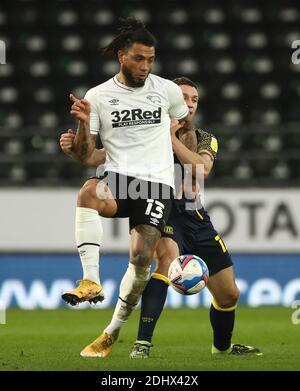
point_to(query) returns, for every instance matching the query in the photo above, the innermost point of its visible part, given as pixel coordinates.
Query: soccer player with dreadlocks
(131, 112)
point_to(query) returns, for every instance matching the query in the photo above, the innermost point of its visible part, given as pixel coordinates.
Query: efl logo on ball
(188, 274)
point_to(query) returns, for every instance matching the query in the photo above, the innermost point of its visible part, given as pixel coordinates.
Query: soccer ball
(188, 274)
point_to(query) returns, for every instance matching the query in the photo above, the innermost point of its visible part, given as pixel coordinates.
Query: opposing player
(131, 112)
(188, 231)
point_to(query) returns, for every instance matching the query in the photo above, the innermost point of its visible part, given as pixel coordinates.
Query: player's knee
(141, 257)
(87, 193)
(229, 299)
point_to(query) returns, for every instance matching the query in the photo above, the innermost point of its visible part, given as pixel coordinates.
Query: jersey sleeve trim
(207, 143)
(183, 115)
(206, 152)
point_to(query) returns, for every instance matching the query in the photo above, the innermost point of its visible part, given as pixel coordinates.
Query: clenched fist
(66, 141)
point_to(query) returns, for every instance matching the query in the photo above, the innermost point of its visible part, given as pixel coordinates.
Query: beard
(130, 79)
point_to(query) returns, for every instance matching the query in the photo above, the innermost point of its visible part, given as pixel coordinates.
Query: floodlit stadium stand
(239, 53)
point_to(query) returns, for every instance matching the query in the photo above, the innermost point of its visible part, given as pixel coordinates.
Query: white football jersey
(134, 126)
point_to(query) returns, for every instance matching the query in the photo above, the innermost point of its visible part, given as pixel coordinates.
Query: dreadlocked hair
(132, 30)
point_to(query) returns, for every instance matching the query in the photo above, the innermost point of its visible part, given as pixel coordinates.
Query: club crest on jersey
(154, 99)
(214, 144)
(135, 117)
(114, 102)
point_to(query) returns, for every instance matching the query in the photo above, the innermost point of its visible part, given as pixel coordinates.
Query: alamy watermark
(2, 312)
(295, 318)
(189, 184)
(296, 53)
(2, 52)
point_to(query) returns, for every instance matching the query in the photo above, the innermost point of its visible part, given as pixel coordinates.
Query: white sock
(89, 234)
(131, 289)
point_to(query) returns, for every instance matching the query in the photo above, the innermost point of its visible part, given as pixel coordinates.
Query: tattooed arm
(84, 142)
(66, 142)
(185, 148)
(189, 139)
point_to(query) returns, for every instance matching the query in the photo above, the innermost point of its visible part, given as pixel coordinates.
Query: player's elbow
(98, 157)
(208, 165)
(201, 169)
(90, 162)
(101, 157)
(206, 172)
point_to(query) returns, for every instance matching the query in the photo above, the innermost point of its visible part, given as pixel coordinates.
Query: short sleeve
(207, 143)
(177, 108)
(95, 123)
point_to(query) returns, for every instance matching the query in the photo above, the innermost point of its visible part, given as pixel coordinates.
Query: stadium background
(240, 55)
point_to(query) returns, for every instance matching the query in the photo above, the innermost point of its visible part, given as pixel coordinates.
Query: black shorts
(194, 233)
(143, 202)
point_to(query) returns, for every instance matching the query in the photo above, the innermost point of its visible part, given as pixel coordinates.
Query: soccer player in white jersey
(131, 112)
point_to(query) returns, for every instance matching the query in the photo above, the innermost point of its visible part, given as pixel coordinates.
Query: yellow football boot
(85, 291)
(101, 347)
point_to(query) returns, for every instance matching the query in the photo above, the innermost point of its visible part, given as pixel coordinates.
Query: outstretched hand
(80, 108)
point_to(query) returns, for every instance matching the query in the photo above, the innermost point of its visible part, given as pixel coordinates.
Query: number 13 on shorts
(155, 208)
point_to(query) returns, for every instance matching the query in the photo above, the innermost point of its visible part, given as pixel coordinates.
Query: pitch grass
(51, 340)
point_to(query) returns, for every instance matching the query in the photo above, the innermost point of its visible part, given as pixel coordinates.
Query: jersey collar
(121, 85)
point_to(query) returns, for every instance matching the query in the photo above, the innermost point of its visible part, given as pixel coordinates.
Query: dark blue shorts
(194, 233)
